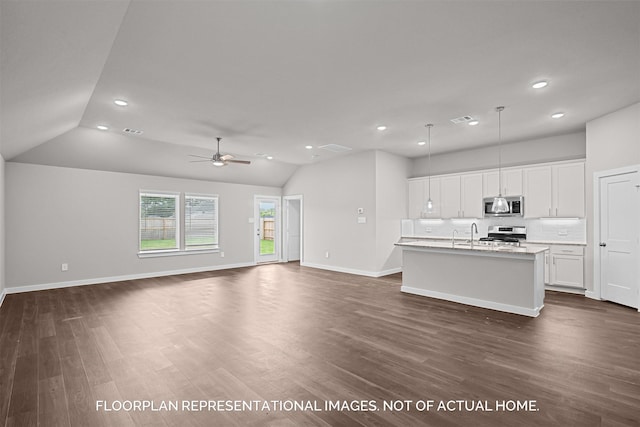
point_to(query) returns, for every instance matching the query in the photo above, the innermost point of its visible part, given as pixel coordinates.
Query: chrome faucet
(473, 225)
(453, 236)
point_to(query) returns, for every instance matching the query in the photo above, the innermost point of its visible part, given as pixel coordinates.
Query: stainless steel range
(504, 235)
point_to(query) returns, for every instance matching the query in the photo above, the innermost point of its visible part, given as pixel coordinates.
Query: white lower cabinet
(564, 266)
(567, 266)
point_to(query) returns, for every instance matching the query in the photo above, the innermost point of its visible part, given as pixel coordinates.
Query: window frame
(177, 198)
(200, 248)
(181, 246)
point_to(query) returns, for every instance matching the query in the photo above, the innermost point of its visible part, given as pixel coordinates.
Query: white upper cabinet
(450, 196)
(418, 194)
(554, 191)
(415, 193)
(434, 188)
(568, 183)
(549, 190)
(511, 183)
(537, 191)
(471, 195)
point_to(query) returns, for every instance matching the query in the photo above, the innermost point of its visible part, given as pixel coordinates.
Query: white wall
(333, 191)
(89, 219)
(391, 204)
(613, 141)
(554, 148)
(2, 228)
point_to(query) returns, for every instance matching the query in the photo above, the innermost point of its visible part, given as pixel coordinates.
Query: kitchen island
(509, 279)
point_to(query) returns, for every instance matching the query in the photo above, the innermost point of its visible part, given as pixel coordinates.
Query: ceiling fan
(218, 159)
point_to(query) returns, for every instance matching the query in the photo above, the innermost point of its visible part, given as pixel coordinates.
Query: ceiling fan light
(218, 163)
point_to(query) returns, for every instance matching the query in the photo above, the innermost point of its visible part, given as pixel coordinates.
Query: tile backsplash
(569, 230)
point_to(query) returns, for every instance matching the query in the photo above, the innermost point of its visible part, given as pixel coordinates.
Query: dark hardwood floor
(279, 333)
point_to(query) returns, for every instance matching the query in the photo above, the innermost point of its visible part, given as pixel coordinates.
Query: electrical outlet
(64, 267)
(326, 254)
(221, 254)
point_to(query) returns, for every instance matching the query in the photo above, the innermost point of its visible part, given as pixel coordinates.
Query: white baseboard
(565, 289)
(98, 280)
(352, 270)
(592, 295)
(4, 292)
(531, 312)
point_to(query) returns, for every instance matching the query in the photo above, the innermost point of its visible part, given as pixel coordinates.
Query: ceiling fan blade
(226, 157)
(202, 157)
(244, 162)
(198, 161)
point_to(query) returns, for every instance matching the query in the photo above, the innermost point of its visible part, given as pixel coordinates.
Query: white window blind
(159, 218)
(200, 222)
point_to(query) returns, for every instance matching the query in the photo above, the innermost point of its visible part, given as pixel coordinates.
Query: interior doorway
(293, 228)
(617, 236)
(267, 246)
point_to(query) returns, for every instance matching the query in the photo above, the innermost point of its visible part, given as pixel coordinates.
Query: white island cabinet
(509, 279)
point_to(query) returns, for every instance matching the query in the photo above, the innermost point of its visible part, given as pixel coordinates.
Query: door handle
(603, 244)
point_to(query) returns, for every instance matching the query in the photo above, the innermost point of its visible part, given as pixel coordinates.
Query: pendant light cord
(499, 152)
(429, 126)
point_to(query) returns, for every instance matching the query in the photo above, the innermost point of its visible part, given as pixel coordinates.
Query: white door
(619, 234)
(292, 228)
(267, 228)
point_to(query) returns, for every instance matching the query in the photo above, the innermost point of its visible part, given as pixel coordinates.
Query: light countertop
(465, 246)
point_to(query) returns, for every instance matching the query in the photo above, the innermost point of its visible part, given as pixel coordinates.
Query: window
(159, 222)
(200, 222)
(167, 226)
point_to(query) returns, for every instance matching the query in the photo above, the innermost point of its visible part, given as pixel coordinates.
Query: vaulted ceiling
(272, 77)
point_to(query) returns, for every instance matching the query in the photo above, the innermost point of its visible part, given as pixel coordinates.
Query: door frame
(278, 232)
(597, 176)
(285, 228)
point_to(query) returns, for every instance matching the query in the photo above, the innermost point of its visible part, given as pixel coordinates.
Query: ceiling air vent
(335, 148)
(463, 119)
(132, 131)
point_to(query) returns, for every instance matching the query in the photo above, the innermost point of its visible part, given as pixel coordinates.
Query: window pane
(158, 222)
(201, 222)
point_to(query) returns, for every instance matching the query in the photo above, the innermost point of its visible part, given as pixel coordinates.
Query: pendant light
(428, 207)
(500, 204)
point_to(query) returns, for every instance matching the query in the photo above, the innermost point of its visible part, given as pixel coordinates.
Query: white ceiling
(273, 76)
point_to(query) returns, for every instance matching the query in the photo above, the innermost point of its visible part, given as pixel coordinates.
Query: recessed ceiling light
(540, 84)
(557, 115)
(102, 127)
(308, 147)
(473, 122)
(269, 157)
(421, 142)
(382, 127)
(120, 102)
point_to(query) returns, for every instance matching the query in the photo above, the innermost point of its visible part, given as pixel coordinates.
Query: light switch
(362, 220)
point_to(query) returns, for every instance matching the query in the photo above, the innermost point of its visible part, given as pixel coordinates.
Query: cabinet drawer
(567, 250)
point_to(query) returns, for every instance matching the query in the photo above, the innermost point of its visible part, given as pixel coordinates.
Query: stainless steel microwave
(516, 206)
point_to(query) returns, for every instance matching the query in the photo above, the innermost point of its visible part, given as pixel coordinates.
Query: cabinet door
(568, 185)
(471, 195)
(567, 270)
(490, 184)
(547, 276)
(537, 191)
(512, 182)
(434, 188)
(450, 196)
(415, 189)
